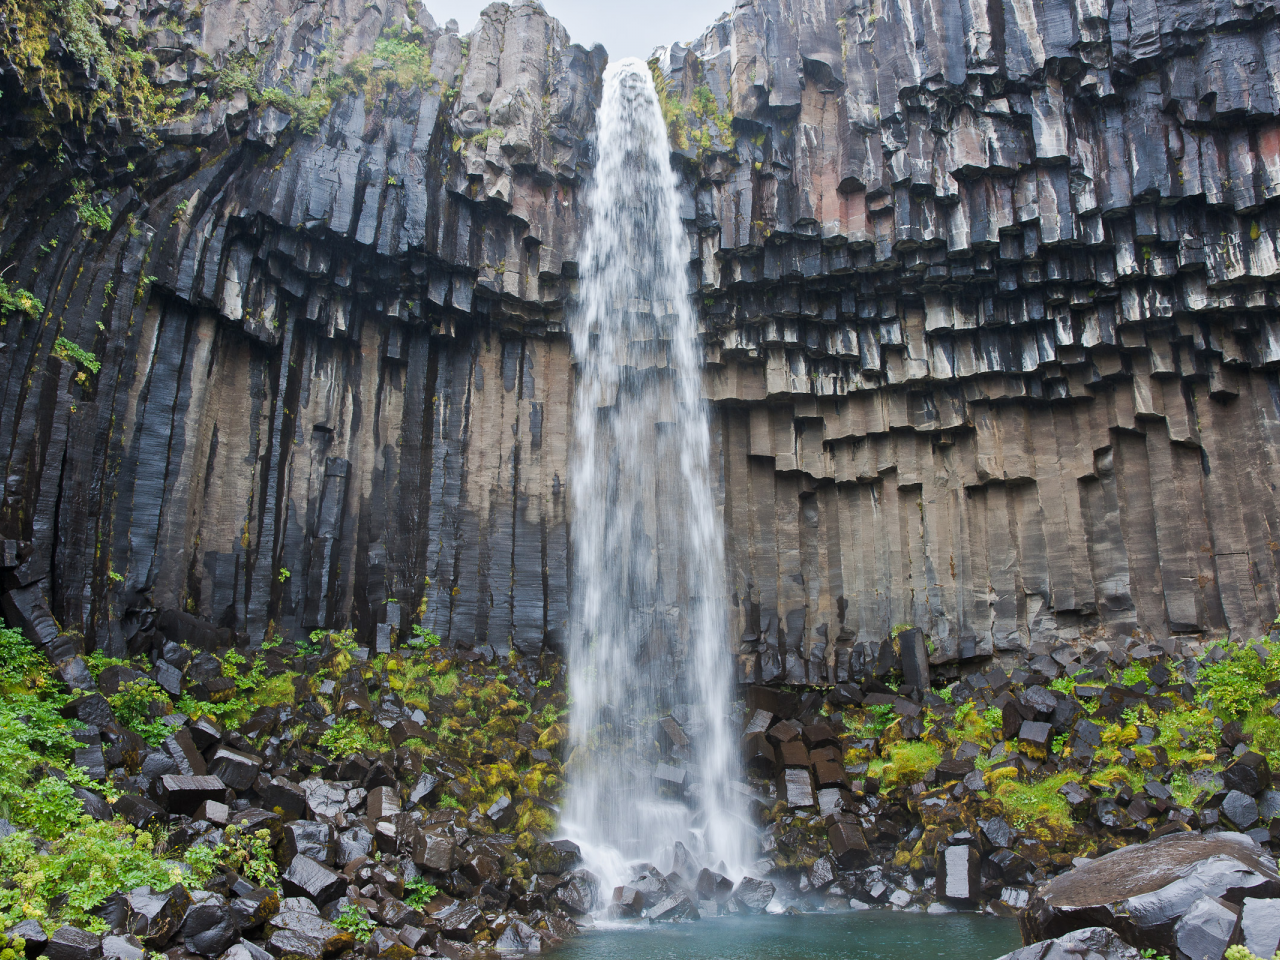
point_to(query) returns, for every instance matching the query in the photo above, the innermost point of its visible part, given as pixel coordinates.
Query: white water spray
(649, 631)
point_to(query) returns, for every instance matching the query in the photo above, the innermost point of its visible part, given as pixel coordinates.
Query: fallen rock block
(1207, 929)
(72, 943)
(157, 917)
(311, 879)
(1087, 943)
(754, 895)
(1143, 891)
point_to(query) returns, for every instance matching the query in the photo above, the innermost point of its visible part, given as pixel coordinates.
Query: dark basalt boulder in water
(754, 895)
(1143, 891)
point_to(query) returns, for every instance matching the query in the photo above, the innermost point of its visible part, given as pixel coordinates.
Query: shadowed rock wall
(989, 295)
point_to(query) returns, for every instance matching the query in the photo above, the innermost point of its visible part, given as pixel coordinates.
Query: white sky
(626, 28)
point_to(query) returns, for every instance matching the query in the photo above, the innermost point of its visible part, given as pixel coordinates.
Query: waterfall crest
(648, 640)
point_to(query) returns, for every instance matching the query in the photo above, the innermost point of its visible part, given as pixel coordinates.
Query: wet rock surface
(1161, 894)
(975, 290)
(989, 328)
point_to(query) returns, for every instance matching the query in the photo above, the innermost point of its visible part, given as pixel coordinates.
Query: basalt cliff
(988, 289)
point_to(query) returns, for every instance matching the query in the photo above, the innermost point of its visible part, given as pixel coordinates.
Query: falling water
(648, 638)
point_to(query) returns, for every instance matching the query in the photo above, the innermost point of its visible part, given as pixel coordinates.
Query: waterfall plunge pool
(865, 935)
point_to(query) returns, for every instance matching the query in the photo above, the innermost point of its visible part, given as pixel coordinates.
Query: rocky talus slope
(988, 292)
(988, 298)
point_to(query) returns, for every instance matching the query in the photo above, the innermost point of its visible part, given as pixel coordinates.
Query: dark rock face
(987, 305)
(1177, 891)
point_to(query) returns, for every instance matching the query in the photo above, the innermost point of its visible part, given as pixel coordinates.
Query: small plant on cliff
(65, 349)
(423, 638)
(94, 216)
(14, 299)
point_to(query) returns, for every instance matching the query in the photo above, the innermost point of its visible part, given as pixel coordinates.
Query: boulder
(958, 878)
(209, 927)
(307, 877)
(122, 948)
(156, 917)
(1260, 926)
(329, 940)
(72, 943)
(1249, 773)
(31, 931)
(1142, 891)
(557, 857)
(754, 895)
(1206, 930)
(1087, 943)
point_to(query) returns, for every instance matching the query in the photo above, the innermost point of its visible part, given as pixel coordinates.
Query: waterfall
(648, 639)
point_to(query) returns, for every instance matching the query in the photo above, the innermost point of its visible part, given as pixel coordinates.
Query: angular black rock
(1142, 891)
(72, 943)
(754, 895)
(156, 917)
(1095, 943)
(1208, 927)
(313, 880)
(209, 927)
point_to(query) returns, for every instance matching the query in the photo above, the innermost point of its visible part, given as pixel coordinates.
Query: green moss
(673, 110)
(1027, 803)
(908, 762)
(399, 60)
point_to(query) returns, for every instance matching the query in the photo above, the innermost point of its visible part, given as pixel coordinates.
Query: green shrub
(1236, 686)
(85, 864)
(139, 706)
(423, 638)
(65, 349)
(14, 299)
(418, 893)
(248, 854)
(356, 922)
(18, 659)
(83, 37)
(93, 215)
(347, 737)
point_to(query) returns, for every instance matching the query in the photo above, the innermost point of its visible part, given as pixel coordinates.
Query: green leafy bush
(347, 737)
(423, 638)
(85, 864)
(93, 215)
(12, 947)
(139, 706)
(18, 659)
(418, 893)
(248, 854)
(14, 299)
(356, 922)
(1236, 686)
(65, 349)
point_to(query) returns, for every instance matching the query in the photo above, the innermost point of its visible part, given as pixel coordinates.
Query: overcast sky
(627, 29)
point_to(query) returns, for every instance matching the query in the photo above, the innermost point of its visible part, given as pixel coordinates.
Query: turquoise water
(867, 935)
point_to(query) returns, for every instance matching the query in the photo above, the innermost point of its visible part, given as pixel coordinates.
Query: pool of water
(867, 935)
